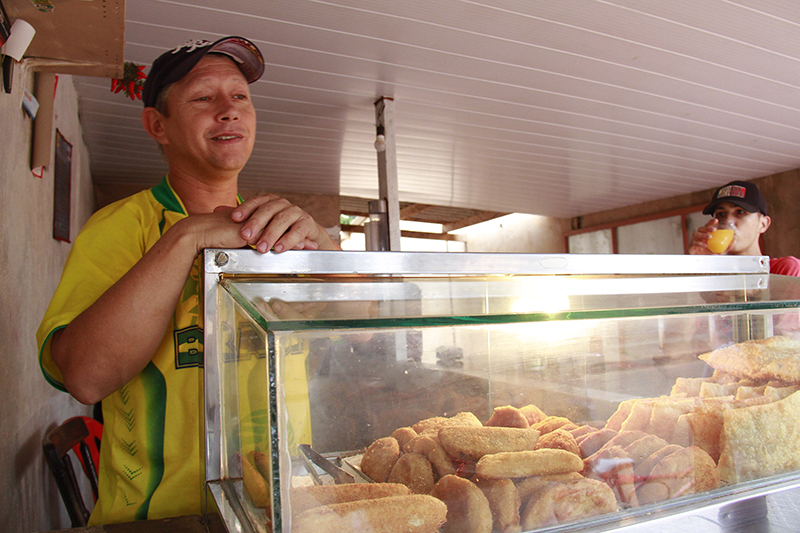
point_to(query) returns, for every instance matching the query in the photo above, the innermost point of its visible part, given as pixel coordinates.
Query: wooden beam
(483, 216)
(410, 234)
(413, 209)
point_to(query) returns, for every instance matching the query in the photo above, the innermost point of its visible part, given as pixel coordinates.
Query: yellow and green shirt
(151, 458)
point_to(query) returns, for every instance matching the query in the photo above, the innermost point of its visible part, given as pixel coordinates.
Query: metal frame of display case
(219, 264)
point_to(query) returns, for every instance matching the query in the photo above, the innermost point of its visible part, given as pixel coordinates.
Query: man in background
(128, 303)
(742, 205)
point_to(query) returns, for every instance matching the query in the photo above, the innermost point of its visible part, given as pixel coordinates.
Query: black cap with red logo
(742, 193)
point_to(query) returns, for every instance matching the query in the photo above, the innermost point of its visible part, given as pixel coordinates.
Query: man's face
(211, 126)
(748, 227)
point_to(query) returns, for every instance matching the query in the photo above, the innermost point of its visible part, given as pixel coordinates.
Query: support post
(387, 167)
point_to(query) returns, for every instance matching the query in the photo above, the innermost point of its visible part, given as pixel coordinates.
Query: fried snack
(472, 443)
(532, 413)
(621, 439)
(682, 433)
(414, 471)
(582, 431)
(613, 466)
(641, 449)
(403, 435)
(468, 509)
(643, 469)
(760, 440)
(528, 463)
(432, 449)
(592, 442)
(262, 463)
(255, 484)
(683, 472)
(553, 422)
(433, 425)
(779, 393)
(414, 513)
(558, 503)
(639, 417)
(311, 496)
(620, 415)
(558, 439)
(688, 386)
(744, 392)
(508, 416)
(379, 458)
(710, 389)
(527, 486)
(665, 414)
(504, 502)
(775, 357)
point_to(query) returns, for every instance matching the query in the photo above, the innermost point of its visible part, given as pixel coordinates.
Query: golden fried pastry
(528, 463)
(255, 484)
(642, 470)
(553, 422)
(508, 416)
(558, 439)
(559, 503)
(620, 415)
(776, 393)
(641, 449)
(710, 389)
(639, 417)
(688, 386)
(533, 414)
(432, 449)
(414, 471)
(582, 431)
(403, 435)
(527, 486)
(379, 458)
(760, 440)
(504, 502)
(665, 414)
(613, 466)
(472, 443)
(686, 471)
(468, 509)
(621, 439)
(433, 425)
(682, 433)
(262, 463)
(775, 357)
(305, 498)
(592, 442)
(745, 392)
(415, 513)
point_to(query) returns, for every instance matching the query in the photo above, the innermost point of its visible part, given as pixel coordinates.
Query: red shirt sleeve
(786, 266)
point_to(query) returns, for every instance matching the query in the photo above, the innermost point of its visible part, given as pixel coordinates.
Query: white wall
(31, 262)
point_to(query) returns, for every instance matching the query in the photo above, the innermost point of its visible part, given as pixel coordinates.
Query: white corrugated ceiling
(558, 108)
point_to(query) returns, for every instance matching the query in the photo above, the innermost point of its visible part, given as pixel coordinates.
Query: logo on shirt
(189, 347)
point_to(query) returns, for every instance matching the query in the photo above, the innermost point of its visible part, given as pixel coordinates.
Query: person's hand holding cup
(721, 238)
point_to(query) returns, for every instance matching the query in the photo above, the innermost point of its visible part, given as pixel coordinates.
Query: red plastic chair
(82, 435)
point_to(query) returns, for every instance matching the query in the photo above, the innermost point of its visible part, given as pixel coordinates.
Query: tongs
(311, 458)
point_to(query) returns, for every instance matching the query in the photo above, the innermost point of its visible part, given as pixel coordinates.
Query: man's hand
(699, 243)
(273, 223)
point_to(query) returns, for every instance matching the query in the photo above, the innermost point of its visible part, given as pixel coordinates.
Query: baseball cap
(742, 193)
(173, 65)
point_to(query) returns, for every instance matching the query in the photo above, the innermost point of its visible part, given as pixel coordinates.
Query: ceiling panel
(552, 108)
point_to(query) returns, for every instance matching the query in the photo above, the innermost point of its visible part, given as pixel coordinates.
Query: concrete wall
(518, 233)
(31, 267)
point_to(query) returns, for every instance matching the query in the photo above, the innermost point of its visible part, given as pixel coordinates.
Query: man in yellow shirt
(124, 325)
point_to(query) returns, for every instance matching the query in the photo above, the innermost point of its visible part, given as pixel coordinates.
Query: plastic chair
(82, 435)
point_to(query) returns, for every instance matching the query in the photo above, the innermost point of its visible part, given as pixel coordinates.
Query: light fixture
(380, 139)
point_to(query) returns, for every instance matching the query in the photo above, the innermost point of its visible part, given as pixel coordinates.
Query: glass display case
(388, 391)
